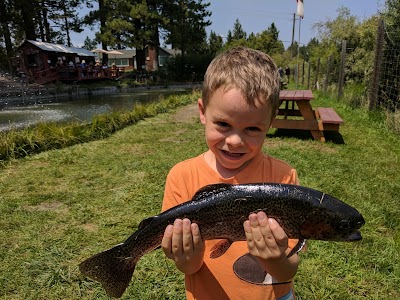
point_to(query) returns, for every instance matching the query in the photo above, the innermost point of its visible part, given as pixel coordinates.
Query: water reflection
(80, 110)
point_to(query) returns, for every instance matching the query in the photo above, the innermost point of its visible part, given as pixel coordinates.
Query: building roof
(126, 54)
(61, 48)
(132, 53)
(172, 52)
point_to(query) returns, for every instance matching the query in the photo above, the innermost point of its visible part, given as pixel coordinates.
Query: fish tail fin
(111, 268)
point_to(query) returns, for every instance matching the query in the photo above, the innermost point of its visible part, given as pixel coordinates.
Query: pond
(22, 114)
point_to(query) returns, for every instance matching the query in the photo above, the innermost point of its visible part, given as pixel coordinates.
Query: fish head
(339, 222)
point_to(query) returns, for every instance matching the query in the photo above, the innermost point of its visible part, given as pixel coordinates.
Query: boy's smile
(235, 131)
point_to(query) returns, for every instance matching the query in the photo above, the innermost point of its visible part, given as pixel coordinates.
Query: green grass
(59, 207)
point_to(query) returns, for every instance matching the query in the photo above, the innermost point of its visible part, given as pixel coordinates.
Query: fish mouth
(355, 236)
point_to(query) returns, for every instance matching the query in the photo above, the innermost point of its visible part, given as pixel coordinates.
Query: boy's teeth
(232, 154)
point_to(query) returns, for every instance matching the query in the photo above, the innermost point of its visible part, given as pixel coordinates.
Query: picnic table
(296, 112)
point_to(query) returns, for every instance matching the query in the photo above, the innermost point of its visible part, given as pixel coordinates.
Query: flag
(300, 8)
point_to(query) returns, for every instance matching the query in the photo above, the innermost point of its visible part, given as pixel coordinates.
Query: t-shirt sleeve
(171, 193)
(176, 187)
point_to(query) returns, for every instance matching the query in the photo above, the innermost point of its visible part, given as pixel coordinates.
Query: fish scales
(220, 210)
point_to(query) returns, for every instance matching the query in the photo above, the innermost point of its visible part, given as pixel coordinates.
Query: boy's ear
(201, 111)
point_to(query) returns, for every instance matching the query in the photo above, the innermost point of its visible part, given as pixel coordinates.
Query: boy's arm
(182, 241)
(267, 240)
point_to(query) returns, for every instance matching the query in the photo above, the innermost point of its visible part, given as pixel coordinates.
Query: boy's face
(235, 131)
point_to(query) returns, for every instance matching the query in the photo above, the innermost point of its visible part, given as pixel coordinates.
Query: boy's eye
(222, 124)
(254, 129)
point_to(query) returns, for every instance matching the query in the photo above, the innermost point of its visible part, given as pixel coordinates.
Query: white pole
(298, 54)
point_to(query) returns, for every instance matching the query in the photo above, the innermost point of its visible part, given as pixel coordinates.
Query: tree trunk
(103, 16)
(28, 15)
(6, 33)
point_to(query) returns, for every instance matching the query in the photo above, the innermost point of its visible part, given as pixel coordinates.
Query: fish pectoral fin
(300, 244)
(220, 248)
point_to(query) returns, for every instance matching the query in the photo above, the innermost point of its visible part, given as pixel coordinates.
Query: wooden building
(128, 60)
(40, 61)
(43, 62)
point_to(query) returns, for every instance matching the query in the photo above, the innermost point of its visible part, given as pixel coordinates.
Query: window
(119, 62)
(31, 60)
(162, 60)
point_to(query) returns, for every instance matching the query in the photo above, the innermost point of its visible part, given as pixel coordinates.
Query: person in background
(59, 63)
(287, 73)
(280, 71)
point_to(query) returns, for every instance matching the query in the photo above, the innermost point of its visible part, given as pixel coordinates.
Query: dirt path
(186, 113)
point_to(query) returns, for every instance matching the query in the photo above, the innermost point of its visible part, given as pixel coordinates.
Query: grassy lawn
(59, 207)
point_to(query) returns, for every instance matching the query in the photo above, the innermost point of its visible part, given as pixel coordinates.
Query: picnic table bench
(296, 112)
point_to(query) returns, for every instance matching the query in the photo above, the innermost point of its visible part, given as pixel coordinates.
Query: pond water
(24, 114)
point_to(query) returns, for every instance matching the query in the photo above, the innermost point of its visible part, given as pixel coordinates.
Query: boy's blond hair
(251, 71)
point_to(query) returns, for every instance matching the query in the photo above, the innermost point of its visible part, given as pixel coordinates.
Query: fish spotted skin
(220, 211)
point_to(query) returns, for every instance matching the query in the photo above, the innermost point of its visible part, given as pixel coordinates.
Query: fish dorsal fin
(146, 222)
(211, 188)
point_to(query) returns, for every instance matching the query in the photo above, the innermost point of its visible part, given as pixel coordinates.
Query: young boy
(239, 101)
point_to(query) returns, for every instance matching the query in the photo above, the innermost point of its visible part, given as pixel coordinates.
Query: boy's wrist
(281, 268)
(189, 268)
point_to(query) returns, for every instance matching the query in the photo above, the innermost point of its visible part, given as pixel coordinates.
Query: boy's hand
(183, 244)
(268, 241)
(265, 237)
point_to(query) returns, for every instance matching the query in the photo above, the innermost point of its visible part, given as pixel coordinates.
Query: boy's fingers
(278, 233)
(187, 240)
(177, 238)
(265, 230)
(262, 235)
(249, 236)
(167, 241)
(197, 240)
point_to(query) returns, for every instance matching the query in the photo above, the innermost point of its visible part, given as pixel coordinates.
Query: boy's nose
(235, 140)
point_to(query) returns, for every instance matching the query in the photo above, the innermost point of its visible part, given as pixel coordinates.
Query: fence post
(317, 73)
(328, 70)
(374, 88)
(341, 70)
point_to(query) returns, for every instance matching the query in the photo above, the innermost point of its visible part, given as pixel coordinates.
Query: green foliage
(389, 81)
(186, 27)
(188, 68)
(360, 42)
(215, 43)
(238, 33)
(266, 41)
(90, 44)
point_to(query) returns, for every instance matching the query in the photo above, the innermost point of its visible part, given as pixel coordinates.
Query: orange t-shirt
(236, 274)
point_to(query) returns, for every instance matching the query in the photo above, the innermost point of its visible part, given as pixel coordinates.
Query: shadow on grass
(330, 136)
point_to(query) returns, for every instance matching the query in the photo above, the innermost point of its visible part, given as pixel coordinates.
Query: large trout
(220, 210)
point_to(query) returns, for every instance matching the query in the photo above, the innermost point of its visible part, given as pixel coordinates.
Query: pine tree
(238, 32)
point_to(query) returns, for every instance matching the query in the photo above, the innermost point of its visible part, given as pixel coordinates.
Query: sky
(257, 15)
